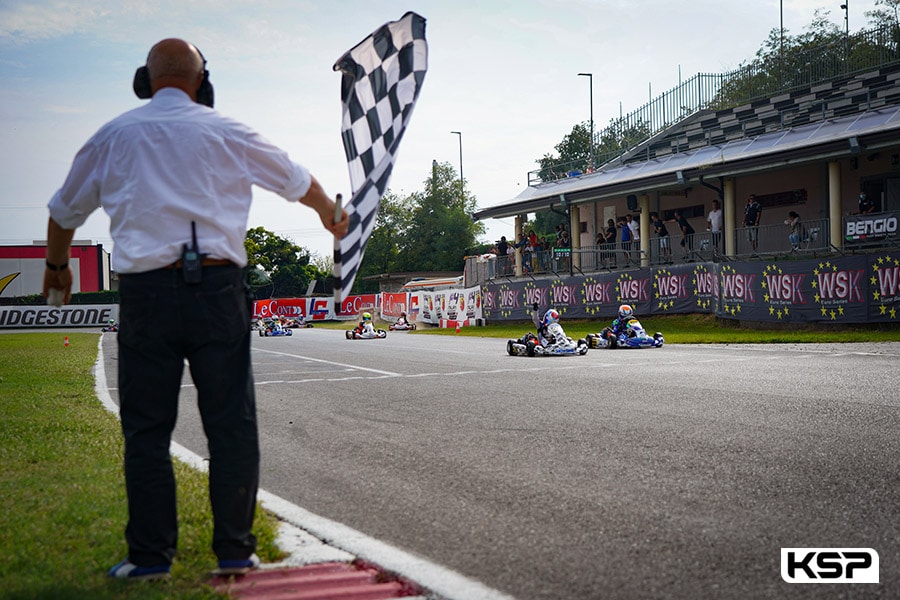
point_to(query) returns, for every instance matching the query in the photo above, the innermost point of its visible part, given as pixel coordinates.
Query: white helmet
(625, 311)
(551, 316)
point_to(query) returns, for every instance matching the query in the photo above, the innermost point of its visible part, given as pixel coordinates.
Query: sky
(502, 73)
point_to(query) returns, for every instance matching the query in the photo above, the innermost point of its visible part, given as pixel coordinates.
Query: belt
(206, 262)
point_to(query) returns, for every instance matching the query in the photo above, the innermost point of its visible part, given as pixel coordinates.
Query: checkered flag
(382, 76)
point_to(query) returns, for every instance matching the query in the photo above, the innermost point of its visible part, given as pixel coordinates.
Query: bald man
(175, 178)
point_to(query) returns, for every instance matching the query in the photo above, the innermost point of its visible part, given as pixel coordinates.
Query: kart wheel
(290, 332)
(582, 347)
(591, 340)
(510, 348)
(261, 334)
(349, 335)
(529, 347)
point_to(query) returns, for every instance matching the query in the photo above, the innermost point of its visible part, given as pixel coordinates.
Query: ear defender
(141, 83)
(142, 89)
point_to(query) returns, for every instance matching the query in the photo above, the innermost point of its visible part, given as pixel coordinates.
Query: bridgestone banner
(48, 316)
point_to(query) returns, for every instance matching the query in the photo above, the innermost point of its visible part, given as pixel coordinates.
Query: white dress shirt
(156, 168)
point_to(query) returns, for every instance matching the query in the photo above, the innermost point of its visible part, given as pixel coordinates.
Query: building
(22, 268)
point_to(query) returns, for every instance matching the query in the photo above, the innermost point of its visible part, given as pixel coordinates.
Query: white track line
(435, 578)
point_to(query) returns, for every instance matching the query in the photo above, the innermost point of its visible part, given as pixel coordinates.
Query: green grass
(63, 487)
(681, 329)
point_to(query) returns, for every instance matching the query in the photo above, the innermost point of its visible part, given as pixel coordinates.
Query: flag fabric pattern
(382, 77)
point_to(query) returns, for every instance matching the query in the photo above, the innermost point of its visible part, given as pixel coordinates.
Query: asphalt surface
(677, 472)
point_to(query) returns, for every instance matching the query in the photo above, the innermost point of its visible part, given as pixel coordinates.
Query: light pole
(590, 77)
(461, 182)
(846, 7)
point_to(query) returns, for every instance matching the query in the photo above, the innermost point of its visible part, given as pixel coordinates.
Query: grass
(679, 329)
(63, 486)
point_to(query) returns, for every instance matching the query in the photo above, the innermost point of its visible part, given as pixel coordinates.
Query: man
(752, 215)
(687, 234)
(714, 224)
(175, 179)
(866, 205)
(665, 250)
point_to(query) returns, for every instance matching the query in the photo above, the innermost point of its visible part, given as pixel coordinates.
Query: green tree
(285, 264)
(383, 250)
(424, 231)
(441, 231)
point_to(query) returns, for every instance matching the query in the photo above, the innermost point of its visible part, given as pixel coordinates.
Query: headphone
(142, 89)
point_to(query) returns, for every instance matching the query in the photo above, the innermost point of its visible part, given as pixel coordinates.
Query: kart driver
(365, 328)
(549, 329)
(401, 320)
(620, 325)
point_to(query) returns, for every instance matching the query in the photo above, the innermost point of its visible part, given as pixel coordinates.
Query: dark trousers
(163, 322)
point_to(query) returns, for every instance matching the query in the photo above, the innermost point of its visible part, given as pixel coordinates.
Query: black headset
(142, 89)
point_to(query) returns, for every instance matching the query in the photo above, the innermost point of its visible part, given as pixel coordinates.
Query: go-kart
(112, 328)
(297, 324)
(355, 334)
(407, 326)
(529, 345)
(634, 336)
(274, 332)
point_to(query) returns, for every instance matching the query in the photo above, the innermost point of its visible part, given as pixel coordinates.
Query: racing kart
(634, 336)
(297, 324)
(354, 334)
(112, 328)
(529, 345)
(402, 326)
(274, 332)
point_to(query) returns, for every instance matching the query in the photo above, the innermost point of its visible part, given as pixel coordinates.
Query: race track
(677, 472)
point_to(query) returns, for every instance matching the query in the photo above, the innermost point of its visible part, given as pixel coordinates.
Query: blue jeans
(163, 322)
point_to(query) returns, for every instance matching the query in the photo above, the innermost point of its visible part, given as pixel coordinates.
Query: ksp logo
(829, 565)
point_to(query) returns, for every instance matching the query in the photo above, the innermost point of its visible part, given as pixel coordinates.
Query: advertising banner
(848, 289)
(876, 228)
(72, 315)
(462, 306)
(316, 309)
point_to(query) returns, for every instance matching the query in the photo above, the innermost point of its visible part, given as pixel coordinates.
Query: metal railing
(772, 241)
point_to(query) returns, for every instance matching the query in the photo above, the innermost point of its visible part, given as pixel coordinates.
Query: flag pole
(338, 214)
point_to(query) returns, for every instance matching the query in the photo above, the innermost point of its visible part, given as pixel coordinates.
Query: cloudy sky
(504, 73)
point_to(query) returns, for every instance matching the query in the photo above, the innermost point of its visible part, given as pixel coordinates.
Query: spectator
(525, 247)
(609, 238)
(665, 250)
(535, 249)
(635, 227)
(626, 239)
(687, 234)
(503, 255)
(793, 221)
(866, 205)
(714, 224)
(752, 217)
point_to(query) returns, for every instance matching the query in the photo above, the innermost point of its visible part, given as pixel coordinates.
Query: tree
(441, 230)
(383, 251)
(424, 231)
(285, 264)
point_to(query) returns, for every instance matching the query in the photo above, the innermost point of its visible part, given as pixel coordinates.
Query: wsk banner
(852, 289)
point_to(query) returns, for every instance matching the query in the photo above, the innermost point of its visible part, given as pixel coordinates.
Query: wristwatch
(61, 267)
